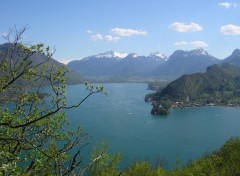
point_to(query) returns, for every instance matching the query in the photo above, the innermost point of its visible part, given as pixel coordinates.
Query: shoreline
(182, 105)
(161, 109)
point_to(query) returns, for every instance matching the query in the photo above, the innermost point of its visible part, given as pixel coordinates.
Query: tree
(33, 140)
(107, 165)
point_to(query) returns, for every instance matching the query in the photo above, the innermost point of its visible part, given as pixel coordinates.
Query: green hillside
(13, 57)
(219, 85)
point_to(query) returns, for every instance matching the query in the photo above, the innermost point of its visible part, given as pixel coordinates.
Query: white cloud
(230, 29)
(199, 44)
(96, 37)
(127, 32)
(182, 43)
(228, 4)
(89, 31)
(182, 27)
(114, 34)
(108, 38)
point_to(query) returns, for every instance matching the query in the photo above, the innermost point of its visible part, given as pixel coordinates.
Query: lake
(123, 119)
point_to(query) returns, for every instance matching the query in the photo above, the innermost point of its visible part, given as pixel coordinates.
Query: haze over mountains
(123, 67)
(186, 62)
(119, 65)
(234, 58)
(218, 85)
(72, 77)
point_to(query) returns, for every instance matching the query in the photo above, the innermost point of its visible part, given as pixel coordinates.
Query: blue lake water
(123, 119)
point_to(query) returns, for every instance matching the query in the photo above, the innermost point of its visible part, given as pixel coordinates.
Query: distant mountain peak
(112, 54)
(236, 52)
(158, 55)
(199, 51)
(234, 58)
(195, 52)
(7, 44)
(132, 55)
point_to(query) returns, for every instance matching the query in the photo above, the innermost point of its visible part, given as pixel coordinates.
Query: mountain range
(72, 77)
(219, 85)
(185, 62)
(122, 67)
(234, 58)
(119, 65)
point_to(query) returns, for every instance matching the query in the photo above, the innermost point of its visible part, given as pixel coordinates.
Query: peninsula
(218, 86)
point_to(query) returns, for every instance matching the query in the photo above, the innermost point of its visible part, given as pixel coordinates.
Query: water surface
(123, 119)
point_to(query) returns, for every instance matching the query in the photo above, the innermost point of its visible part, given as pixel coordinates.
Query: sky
(80, 28)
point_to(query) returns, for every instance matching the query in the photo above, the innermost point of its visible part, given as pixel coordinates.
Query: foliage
(140, 169)
(220, 163)
(218, 82)
(162, 107)
(107, 164)
(220, 85)
(157, 85)
(223, 162)
(33, 140)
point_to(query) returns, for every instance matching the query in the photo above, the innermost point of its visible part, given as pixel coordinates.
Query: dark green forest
(219, 85)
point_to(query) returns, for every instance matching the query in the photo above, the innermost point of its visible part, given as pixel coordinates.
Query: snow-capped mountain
(112, 54)
(114, 64)
(132, 55)
(199, 51)
(186, 62)
(111, 63)
(158, 55)
(195, 52)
